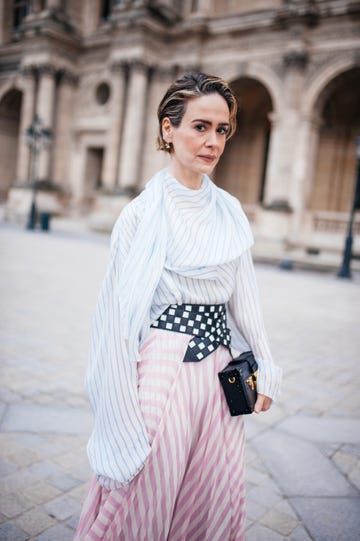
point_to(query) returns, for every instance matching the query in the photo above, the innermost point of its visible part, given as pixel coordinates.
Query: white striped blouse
(119, 445)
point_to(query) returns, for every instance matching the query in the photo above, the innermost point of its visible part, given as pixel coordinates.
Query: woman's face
(200, 139)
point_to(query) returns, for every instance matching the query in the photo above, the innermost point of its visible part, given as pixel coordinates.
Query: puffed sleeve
(118, 445)
(246, 323)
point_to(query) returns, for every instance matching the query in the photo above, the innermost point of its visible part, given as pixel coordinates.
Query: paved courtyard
(303, 456)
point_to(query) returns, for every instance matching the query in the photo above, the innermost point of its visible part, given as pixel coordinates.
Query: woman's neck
(193, 182)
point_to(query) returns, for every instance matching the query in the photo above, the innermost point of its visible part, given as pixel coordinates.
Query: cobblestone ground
(303, 456)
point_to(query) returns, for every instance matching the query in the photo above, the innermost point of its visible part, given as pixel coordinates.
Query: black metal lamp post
(345, 271)
(37, 137)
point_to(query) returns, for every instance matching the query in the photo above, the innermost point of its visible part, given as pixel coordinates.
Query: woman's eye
(223, 131)
(200, 127)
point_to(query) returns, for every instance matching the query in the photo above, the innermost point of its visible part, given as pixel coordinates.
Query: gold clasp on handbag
(251, 381)
(232, 379)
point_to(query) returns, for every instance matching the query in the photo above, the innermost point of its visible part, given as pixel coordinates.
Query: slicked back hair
(193, 85)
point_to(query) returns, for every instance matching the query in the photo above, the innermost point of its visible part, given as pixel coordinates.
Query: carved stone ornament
(119, 67)
(46, 69)
(29, 71)
(67, 77)
(138, 65)
(296, 59)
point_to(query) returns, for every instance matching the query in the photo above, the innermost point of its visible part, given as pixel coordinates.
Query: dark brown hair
(193, 85)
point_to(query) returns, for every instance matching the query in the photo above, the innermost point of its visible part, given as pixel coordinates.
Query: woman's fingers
(263, 403)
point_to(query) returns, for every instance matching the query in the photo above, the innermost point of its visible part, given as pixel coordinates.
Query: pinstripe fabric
(118, 445)
(213, 266)
(192, 485)
(245, 321)
(180, 229)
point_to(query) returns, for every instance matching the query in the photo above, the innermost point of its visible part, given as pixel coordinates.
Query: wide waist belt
(205, 322)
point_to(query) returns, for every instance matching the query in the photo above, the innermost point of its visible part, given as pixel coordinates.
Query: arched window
(21, 8)
(242, 169)
(338, 107)
(106, 7)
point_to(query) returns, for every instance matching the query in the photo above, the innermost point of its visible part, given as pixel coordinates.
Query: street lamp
(345, 271)
(37, 137)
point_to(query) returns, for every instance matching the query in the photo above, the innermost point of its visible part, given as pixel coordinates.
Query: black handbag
(238, 380)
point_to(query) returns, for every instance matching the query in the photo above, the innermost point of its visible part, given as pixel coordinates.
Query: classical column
(26, 119)
(303, 171)
(276, 187)
(77, 172)
(304, 161)
(45, 110)
(62, 137)
(132, 139)
(111, 160)
(284, 134)
(155, 159)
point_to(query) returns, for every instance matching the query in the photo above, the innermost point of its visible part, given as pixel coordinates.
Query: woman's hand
(263, 403)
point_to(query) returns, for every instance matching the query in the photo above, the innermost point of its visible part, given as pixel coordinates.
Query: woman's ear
(167, 130)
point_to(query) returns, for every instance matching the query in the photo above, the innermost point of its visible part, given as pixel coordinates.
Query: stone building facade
(95, 70)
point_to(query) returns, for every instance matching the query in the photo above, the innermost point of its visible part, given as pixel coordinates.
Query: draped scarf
(171, 235)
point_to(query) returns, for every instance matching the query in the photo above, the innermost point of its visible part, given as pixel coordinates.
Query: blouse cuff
(269, 379)
(112, 484)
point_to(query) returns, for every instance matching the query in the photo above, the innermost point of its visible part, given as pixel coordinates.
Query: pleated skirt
(192, 486)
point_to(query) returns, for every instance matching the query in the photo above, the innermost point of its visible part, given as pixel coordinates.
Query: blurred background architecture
(95, 70)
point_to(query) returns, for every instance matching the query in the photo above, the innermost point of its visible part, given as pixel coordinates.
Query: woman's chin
(207, 168)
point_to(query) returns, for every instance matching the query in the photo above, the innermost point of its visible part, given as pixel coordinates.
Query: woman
(168, 456)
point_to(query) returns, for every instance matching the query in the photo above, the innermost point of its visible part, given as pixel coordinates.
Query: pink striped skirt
(192, 486)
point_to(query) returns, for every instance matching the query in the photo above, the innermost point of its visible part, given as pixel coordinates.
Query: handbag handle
(247, 356)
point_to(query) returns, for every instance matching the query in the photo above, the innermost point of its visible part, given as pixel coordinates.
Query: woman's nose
(212, 138)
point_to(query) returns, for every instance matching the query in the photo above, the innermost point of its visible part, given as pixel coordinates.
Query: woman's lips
(207, 158)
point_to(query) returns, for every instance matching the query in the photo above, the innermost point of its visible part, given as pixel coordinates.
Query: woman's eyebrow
(208, 122)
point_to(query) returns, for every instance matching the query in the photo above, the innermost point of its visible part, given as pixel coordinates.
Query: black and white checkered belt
(205, 322)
